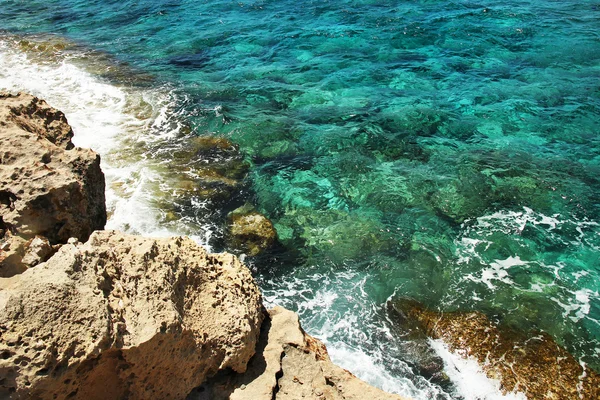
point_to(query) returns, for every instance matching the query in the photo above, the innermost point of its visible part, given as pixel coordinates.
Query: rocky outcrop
(289, 364)
(532, 364)
(128, 317)
(250, 231)
(125, 317)
(49, 191)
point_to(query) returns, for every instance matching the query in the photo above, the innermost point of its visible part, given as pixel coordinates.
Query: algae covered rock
(124, 316)
(47, 188)
(533, 364)
(415, 347)
(335, 234)
(208, 168)
(250, 231)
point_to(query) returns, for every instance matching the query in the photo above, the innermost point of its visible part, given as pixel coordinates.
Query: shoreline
(128, 303)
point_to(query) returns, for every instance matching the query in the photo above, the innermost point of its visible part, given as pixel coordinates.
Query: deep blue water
(447, 151)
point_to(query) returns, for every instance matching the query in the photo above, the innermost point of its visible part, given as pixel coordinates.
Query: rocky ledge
(123, 316)
(49, 190)
(154, 317)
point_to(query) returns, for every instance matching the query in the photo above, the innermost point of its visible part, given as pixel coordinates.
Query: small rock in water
(250, 231)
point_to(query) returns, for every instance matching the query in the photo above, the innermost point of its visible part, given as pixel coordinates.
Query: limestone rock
(35, 116)
(250, 231)
(124, 316)
(289, 364)
(532, 364)
(12, 250)
(47, 187)
(37, 250)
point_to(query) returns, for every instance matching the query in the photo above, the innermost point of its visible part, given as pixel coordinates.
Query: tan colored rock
(37, 250)
(250, 231)
(35, 116)
(47, 187)
(125, 317)
(12, 250)
(532, 364)
(289, 364)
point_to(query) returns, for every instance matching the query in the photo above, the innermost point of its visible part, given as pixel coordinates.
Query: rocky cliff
(122, 316)
(49, 190)
(152, 317)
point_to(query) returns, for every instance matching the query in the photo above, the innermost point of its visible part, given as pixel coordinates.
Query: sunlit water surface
(447, 151)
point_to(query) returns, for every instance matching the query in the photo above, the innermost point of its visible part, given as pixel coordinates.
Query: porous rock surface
(288, 365)
(125, 317)
(532, 364)
(48, 189)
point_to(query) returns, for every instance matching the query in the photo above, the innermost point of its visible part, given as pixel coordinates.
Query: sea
(445, 151)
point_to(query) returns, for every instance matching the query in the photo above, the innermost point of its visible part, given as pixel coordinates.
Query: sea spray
(121, 123)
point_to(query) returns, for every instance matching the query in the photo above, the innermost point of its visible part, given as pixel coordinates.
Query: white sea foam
(490, 232)
(471, 381)
(578, 306)
(103, 119)
(497, 271)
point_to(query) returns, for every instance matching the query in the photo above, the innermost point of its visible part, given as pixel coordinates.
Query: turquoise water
(447, 151)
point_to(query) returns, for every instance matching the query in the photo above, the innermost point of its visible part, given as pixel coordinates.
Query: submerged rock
(124, 316)
(250, 231)
(48, 189)
(333, 234)
(289, 364)
(532, 364)
(415, 347)
(208, 168)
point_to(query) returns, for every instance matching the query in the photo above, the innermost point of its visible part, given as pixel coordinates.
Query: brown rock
(35, 116)
(289, 364)
(46, 189)
(37, 250)
(533, 364)
(12, 250)
(125, 317)
(250, 231)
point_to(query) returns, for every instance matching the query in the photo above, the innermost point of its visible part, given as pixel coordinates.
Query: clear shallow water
(445, 151)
